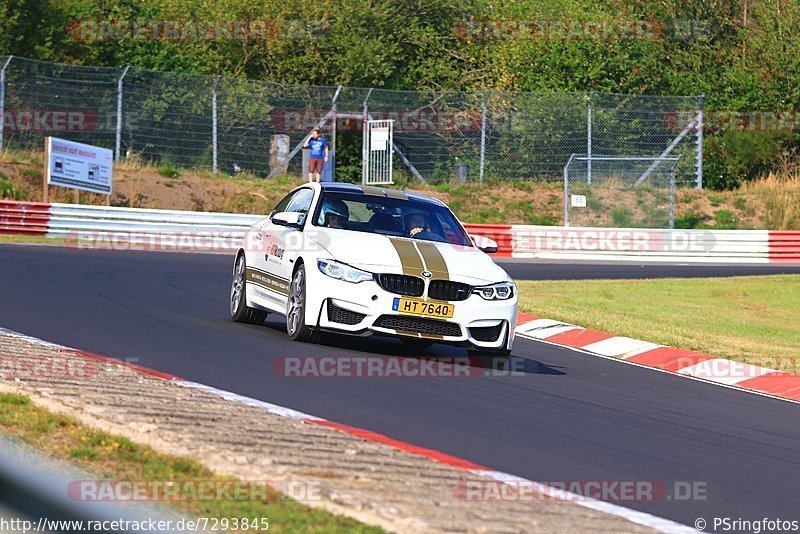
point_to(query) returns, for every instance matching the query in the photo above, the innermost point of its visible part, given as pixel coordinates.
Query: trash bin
(462, 172)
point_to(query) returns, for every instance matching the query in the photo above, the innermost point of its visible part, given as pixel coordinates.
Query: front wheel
(296, 309)
(240, 311)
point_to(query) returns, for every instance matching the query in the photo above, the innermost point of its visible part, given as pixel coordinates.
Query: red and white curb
(635, 516)
(682, 362)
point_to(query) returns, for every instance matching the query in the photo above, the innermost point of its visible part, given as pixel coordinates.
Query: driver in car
(334, 213)
(416, 225)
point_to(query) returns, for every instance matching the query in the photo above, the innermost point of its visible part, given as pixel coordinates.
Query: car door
(277, 263)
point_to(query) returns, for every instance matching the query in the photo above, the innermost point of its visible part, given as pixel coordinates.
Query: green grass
(749, 319)
(117, 458)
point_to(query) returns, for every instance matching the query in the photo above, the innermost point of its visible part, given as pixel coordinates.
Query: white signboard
(78, 166)
(578, 201)
(379, 138)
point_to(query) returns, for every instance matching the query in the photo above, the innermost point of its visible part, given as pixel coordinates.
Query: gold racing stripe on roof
(394, 193)
(373, 191)
(409, 257)
(381, 192)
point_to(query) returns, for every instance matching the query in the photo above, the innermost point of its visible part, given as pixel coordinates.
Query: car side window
(301, 201)
(283, 204)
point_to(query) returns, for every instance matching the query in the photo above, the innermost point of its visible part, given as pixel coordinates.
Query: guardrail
(202, 231)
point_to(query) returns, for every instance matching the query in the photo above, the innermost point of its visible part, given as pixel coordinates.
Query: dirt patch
(141, 186)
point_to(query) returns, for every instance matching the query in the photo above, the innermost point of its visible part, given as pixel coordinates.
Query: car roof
(343, 187)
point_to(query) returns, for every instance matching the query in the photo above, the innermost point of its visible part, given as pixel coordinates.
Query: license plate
(439, 310)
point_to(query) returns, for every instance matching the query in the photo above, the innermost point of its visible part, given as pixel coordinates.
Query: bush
(733, 157)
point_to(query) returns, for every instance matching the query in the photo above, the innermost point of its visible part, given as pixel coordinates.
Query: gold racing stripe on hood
(409, 257)
(434, 260)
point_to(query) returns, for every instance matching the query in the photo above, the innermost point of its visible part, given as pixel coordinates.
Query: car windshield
(390, 216)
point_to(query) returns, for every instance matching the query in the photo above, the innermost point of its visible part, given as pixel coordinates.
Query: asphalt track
(570, 417)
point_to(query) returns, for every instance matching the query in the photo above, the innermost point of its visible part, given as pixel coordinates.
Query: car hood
(383, 254)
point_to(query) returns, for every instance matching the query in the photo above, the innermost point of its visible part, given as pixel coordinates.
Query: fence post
(333, 137)
(365, 138)
(589, 139)
(483, 136)
(672, 198)
(214, 126)
(3, 98)
(119, 113)
(566, 190)
(699, 169)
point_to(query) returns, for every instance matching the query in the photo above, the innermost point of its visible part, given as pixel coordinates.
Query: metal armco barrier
(183, 230)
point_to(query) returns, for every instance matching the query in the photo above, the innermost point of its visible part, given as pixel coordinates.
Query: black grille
(445, 290)
(486, 333)
(402, 284)
(340, 315)
(418, 325)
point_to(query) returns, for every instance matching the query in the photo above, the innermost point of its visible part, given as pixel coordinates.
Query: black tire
(240, 311)
(296, 309)
(489, 359)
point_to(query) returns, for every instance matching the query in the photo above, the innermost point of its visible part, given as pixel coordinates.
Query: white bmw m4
(364, 260)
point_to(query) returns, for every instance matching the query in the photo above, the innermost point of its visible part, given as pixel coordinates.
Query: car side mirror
(288, 218)
(485, 244)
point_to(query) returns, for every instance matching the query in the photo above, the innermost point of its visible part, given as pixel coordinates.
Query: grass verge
(751, 319)
(117, 458)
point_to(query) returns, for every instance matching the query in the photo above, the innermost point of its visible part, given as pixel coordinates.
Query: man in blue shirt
(319, 154)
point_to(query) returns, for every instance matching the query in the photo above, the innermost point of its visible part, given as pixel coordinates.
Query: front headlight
(501, 291)
(341, 271)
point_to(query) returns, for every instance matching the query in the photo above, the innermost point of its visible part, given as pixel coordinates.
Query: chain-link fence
(620, 191)
(232, 124)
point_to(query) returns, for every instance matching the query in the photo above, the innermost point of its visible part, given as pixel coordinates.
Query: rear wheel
(240, 311)
(296, 309)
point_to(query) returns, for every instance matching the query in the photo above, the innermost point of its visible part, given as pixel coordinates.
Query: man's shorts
(315, 165)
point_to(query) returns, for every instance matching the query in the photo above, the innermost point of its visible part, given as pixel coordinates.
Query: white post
(700, 143)
(214, 125)
(589, 140)
(119, 113)
(3, 99)
(483, 136)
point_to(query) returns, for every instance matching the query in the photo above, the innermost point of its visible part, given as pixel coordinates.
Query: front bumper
(366, 308)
